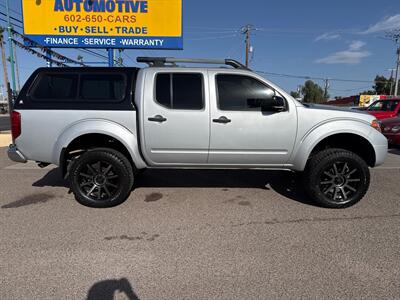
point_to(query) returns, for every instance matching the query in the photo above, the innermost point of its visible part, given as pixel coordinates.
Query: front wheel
(101, 178)
(336, 178)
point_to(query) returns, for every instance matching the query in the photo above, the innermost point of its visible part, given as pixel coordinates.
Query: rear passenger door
(176, 118)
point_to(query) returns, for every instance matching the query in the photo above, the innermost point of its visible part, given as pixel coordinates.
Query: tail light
(15, 125)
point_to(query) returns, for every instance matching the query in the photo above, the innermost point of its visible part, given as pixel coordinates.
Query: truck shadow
(284, 183)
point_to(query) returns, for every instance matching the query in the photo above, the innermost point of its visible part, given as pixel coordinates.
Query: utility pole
(396, 89)
(326, 81)
(4, 61)
(391, 81)
(17, 69)
(11, 45)
(394, 35)
(110, 57)
(246, 30)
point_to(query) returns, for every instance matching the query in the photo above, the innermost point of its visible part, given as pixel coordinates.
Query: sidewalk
(5, 138)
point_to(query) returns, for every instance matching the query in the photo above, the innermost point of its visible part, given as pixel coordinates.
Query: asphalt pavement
(197, 235)
(4, 123)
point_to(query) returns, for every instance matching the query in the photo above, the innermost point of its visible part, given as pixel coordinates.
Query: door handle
(158, 118)
(222, 120)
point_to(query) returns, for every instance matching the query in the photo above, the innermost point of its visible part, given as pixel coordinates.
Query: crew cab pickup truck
(101, 126)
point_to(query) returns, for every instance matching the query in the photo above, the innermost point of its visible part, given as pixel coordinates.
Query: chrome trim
(15, 155)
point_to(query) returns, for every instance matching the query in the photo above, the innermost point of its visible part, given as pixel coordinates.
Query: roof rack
(164, 61)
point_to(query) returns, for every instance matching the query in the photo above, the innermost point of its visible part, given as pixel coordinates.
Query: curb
(5, 139)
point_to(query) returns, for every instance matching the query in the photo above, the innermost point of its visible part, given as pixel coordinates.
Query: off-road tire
(104, 184)
(336, 178)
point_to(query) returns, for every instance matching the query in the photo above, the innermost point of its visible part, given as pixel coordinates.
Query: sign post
(107, 24)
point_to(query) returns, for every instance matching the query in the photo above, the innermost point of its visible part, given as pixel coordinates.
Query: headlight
(396, 128)
(375, 124)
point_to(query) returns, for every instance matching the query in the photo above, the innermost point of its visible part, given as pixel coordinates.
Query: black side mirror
(273, 104)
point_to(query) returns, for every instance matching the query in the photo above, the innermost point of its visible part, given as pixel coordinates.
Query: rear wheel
(101, 178)
(337, 178)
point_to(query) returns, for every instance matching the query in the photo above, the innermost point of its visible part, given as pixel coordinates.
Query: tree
(295, 94)
(313, 93)
(382, 85)
(369, 92)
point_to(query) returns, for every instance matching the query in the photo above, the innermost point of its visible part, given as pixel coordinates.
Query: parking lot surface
(197, 235)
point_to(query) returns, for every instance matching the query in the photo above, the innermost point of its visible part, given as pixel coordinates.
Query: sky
(342, 39)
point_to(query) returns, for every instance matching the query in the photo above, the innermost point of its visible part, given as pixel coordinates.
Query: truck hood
(334, 111)
(320, 113)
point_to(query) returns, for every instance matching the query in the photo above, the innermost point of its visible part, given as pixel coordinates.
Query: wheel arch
(96, 133)
(355, 140)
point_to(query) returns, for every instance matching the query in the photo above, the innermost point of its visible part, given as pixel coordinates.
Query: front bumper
(15, 155)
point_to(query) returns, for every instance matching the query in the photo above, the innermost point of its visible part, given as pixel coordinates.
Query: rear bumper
(15, 155)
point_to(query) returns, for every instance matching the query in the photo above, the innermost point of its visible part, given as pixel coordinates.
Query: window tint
(107, 87)
(163, 90)
(180, 91)
(237, 92)
(56, 87)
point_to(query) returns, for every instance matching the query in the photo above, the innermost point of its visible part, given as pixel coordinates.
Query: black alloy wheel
(101, 178)
(340, 181)
(336, 178)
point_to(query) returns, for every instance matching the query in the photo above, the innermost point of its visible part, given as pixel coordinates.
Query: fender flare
(307, 143)
(98, 126)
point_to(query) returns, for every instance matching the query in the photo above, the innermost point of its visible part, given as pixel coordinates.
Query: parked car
(103, 125)
(385, 109)
(391, 129)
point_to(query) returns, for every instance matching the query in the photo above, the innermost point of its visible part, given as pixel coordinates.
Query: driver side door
(241, 133)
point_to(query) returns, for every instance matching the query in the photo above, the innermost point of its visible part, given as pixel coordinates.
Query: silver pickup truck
(101, 126)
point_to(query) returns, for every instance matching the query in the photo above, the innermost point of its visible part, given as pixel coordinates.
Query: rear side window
(180, 91)
(56, 87)
(102, 87)
(93, 87)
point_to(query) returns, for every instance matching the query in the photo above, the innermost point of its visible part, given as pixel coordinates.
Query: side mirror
(273, 104)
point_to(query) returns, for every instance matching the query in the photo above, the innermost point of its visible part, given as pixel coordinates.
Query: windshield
(385, 105)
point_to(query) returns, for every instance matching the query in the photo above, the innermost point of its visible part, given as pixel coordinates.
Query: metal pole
(247, 46)
(10, 42)
(110, 57)
(49, 58)
(396, 89)
(17, 69)
(391, 82)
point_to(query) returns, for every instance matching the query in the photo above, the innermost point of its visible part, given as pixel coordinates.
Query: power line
(12, 18)
(12, 10)
(16, 25)
(318, 78)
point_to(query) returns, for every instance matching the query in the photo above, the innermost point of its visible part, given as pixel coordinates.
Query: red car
(391, 130)
(385, 109)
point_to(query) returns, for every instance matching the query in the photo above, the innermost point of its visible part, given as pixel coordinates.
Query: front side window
(241, 93)
(56, 87)
(102, 87)
(182, 91)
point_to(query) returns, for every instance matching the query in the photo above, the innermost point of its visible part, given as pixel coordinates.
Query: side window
(56, 87)
(180, 91)
(241, 93)
(102, 87)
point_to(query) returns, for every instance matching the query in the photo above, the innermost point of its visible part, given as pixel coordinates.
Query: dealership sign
(144, 24)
